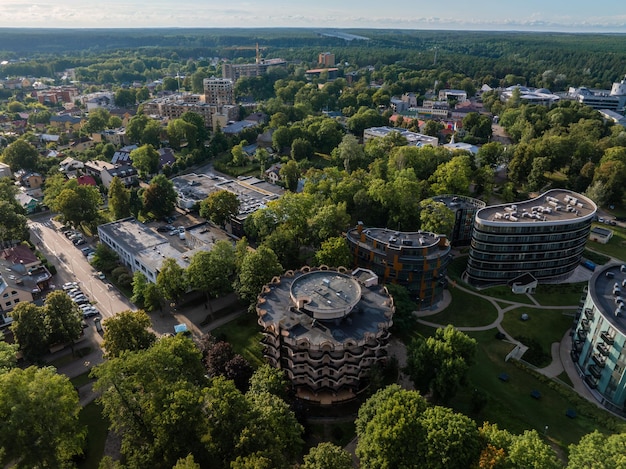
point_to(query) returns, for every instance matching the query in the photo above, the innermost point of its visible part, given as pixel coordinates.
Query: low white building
(412, 138)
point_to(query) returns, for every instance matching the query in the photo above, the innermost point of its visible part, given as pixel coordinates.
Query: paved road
(72, 266)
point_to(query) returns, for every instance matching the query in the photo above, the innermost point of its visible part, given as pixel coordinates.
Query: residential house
(23, 278)
(272, 174)
(122, 156)
(70, 165)
(66, 122)
(86, 180)
(5, 171)
(82, 144)
(125, 172)
(96, 168)
(29, 179)
(27, 202)
(166, 157)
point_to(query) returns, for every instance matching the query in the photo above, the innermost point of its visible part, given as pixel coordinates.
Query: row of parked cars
(75, 293)
(76, 237)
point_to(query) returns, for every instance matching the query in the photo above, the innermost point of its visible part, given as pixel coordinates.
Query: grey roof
(601, 289)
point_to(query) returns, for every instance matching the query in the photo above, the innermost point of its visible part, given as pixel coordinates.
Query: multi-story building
(417, 260)
(599, 337)
(326, 59)
(412, 138)
(459, 95)
(464, 209)
(235, 71)
(544, 236)
(218, 91)
(326, 329)
(174, 106)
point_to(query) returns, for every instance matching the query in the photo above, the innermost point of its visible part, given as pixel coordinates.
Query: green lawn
(616, 247)
(456, 269)
(503, 292)
(97, 430)
(544, 326)
(244, 334)
(465, 310)
(565, 294)
(510, 405)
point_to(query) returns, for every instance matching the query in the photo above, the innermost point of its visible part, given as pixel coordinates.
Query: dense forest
(594, 60)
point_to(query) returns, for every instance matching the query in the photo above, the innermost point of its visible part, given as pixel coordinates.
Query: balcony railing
(607, 338)
(585, 324)
(599, 360)
(582, 334)
(603, 349)
(589, 314)
(591, 381)
(595, 371)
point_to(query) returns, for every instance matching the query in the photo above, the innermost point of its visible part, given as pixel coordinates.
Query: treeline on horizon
(594, 60)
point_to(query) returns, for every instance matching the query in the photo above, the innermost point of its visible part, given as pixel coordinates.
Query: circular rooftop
(325, 294)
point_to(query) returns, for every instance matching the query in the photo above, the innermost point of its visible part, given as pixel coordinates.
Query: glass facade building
(545, 237)
(599, 337)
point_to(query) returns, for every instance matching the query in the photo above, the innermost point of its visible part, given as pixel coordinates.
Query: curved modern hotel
(599, 341)
(545, 237)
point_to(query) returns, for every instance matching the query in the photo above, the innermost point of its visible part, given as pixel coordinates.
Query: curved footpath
(560, 351)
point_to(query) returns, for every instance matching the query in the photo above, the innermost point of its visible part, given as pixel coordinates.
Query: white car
(70, 286)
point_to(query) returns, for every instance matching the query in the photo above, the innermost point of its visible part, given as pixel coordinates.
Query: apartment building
(235, 71)
(218, 91)
(326, 329)
(464, 209)
(599, 337)
(544, 236)
(417, 260)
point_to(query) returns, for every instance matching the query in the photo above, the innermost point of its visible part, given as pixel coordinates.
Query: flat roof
(402, 238)
(601, 289)
(326, 293)
(555, 206)
(456, 202)
(372, 311)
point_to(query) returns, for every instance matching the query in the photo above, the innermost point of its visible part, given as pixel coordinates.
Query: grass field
(97, 430)
(466, 310)
(544, 326)
(503, 292)
(616, 247)
(565, 294)
(244, 334)
(510, 405)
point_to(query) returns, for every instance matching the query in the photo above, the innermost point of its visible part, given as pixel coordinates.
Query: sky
(526, 15)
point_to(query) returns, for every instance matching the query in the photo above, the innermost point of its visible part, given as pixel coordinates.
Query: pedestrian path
(560, 351)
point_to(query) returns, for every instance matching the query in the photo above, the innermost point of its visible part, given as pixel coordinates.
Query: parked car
(174, 232)
(69, 286)
(163, 229)
(78, 241)
(87, 251)
(91, 312)
(91, 256)
(101, 276)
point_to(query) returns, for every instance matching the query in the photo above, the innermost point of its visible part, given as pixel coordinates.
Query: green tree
(301, 149)
(330, 220)
(39, 413)
(211, 272)
(125, 97)
(146, 160)
(179, 131)
(171, 280)
(78, 204)
(327, 456)
(20, 155)
(119, 199)
(105, 259)
(350, 152)
(97, 121)
(436, 217)
(62, 318)
(452, 177)
(13, 223)
(433, 128)
(8, 355)
(598, 451)
(187, 463)
(452, 439)
(440, 363)
(290, 174)
(153, 398)
(140, 282)
(334, 252)
(127, 331)
(220, 207)
(160, 196)
(389, 429)
(490, 154)
(257, 269)
(30, 331)
(266, 378)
